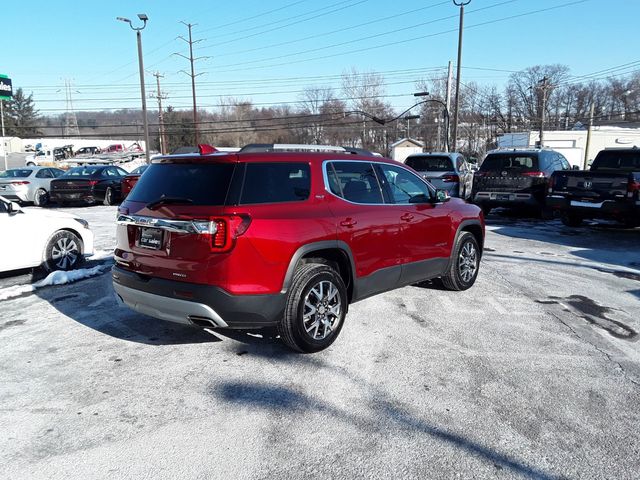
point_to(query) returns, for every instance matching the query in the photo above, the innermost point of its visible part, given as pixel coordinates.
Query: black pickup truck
(608, 190)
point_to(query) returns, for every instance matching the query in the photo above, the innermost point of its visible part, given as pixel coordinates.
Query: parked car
(445, 171)
(40, 157)
(129, 181)
(610, 189)
(87, 151)
(516, 178)
(28, 184)
(89, 184)
(289, 240)
(46, 238)
(115, 148)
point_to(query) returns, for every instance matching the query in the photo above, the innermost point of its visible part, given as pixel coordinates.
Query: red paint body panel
(258, 261)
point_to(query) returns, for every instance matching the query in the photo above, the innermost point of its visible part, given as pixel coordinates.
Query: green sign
(6, 90)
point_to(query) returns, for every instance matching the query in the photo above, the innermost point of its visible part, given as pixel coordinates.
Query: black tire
(41, 198)
(63, 252)
(31, 164)
(546, 213)
(108, 197)
(631, 223)
(464, 265)
(486, 210)
(308, 291)
(570, 219)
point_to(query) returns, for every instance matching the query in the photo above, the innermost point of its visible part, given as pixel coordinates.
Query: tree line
(347, 115)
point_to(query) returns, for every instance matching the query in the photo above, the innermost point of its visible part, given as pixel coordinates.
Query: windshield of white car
(16, 173)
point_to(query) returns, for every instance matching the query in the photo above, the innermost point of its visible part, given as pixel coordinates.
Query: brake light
(552, 182)
(228, 229)
(20, 183)
(206, 149)
(93, 182)
(451, 178)
(533, 174)
(633, 187)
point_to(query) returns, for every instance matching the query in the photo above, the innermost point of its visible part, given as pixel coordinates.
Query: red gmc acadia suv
(248, 240)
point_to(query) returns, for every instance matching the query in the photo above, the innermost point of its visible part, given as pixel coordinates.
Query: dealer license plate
(150, 238)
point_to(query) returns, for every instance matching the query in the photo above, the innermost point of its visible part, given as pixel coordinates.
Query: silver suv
(445, 171)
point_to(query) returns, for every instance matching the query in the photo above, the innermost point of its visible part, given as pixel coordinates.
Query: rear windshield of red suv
(431, 163)
(519, 161)
(202, 183)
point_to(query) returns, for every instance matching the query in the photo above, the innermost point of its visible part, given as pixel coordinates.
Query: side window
(111, 172)
(275, 182)
(121, 172)
(565, 163)
(44, 173)
(3, 207)
(460, 165)
(354, 181)
(56, 172)
(404, 185)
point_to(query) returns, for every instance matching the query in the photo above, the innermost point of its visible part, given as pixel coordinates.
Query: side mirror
(442, 196)
(575, 167)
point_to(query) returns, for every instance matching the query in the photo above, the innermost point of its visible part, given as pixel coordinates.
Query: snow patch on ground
(54, 278)
(101, 255)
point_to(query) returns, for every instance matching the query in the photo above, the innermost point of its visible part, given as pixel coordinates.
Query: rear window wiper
(168, 200)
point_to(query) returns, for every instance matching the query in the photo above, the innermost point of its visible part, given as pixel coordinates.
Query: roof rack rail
(292, 147)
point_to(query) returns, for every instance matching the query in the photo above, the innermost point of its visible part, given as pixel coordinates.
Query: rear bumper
(76, 196)
(506, 199)
(604, 209)
(195, 304)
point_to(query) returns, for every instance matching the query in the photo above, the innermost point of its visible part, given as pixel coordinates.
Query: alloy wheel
(468, 261)
(322, 310)
(64, 253)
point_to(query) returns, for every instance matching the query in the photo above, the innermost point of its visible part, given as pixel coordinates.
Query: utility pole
(193, 75)
(461, 4)
(448, 105)
(544, 86)
(586, 148)
(160, 96)
(4, 148)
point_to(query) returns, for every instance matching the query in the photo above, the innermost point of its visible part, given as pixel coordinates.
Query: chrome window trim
(325, 177)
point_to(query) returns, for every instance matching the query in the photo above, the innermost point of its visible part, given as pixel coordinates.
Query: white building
(572, 143)
(401, 149)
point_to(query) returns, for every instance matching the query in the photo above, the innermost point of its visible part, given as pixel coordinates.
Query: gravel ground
(534, 373)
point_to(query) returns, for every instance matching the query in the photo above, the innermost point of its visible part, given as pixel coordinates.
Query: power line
(409, 40)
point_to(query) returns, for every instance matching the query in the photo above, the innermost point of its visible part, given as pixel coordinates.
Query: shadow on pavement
(385, 414)
(93, 303)
(596, 242)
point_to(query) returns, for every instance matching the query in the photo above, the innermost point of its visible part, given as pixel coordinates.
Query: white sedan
(46, 238)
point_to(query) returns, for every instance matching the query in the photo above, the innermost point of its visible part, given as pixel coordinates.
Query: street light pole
(461, 4)
(445, 113)
(145, 122)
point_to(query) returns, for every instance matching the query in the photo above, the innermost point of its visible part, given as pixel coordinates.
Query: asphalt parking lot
(532, 373)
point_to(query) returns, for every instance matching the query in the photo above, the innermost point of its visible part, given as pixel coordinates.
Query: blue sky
(268, 51)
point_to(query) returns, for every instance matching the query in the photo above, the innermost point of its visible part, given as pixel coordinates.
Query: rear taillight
(533, 174)
(20, 183)
(451, 178)
(93, 182)
(633, 187)
(227, 230)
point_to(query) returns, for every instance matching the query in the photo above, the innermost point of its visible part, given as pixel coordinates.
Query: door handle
(348, 222)
(407, 217)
